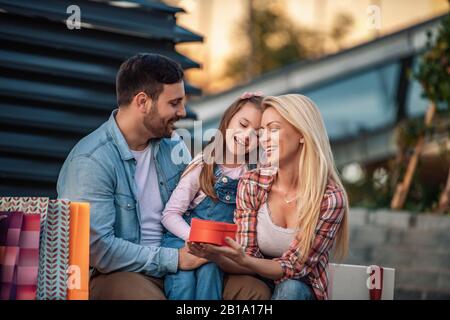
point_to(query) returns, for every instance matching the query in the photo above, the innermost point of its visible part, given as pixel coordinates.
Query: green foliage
(274, 40)
(434, 75)
(434, 68)
(367, 193)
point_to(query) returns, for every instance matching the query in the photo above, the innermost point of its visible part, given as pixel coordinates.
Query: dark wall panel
(57, 85)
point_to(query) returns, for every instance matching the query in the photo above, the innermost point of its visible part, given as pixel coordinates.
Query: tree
(273, 41)
(342, 26)
(434, 68)
(434, 75)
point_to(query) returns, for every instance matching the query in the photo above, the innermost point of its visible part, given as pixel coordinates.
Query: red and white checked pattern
(253, 190)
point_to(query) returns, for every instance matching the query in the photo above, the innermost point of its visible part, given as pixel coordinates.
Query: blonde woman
(291, 212)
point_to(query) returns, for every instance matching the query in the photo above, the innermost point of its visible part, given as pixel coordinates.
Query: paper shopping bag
(78, 283)
(19, 257)
(54, 253)
(27, 269)
(10, 227)
(26, 205)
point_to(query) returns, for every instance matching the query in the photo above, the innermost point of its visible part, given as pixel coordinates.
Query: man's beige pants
(136, 286)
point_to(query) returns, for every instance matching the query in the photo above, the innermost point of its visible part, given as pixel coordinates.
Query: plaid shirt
(253, 190)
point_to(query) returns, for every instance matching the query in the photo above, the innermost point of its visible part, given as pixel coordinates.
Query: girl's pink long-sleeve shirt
(187, 195)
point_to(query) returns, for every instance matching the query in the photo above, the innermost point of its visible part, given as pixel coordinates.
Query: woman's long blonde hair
(316, 166)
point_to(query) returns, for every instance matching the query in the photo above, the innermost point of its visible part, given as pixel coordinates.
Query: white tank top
(273, 240)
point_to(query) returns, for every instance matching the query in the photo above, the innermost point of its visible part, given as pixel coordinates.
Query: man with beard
(126, 170)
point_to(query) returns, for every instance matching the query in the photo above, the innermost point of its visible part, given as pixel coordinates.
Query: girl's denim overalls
(206, 282)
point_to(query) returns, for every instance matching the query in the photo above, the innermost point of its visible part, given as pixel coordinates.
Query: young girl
(207, 190)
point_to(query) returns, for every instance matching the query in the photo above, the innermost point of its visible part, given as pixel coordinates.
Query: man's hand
(187, 261)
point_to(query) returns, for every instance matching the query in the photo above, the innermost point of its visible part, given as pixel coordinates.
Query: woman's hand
(200, 250)
(234, 252)
(216, 254)
(241, 263)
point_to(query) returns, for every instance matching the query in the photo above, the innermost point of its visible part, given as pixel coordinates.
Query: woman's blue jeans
(293, 290)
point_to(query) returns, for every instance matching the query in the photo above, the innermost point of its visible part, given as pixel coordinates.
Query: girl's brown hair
(207, 177)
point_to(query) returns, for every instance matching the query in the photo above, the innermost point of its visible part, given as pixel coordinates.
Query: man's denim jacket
(100, 170)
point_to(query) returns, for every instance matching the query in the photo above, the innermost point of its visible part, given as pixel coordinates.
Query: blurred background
(284, 31)
(377, 69)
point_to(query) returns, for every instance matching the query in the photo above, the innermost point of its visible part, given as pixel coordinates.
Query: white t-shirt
(149, 198)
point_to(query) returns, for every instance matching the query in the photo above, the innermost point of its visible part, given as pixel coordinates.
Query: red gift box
(213, 232)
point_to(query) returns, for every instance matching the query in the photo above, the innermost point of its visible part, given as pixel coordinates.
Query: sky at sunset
(217, 21)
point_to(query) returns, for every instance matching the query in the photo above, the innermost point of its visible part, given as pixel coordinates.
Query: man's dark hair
(146, 72)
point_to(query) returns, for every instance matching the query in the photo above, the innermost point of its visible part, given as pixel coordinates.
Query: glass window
(363, 101)
(416, 105)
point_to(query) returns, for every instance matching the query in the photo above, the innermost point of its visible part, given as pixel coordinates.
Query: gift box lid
(212, 225)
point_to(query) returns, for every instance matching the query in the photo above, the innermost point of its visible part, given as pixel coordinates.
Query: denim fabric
(203, 283)
(208, 209)
(293, 289)
(100, 170)
(206, 281)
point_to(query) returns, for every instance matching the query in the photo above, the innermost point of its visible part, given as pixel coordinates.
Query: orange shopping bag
(78, 282)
